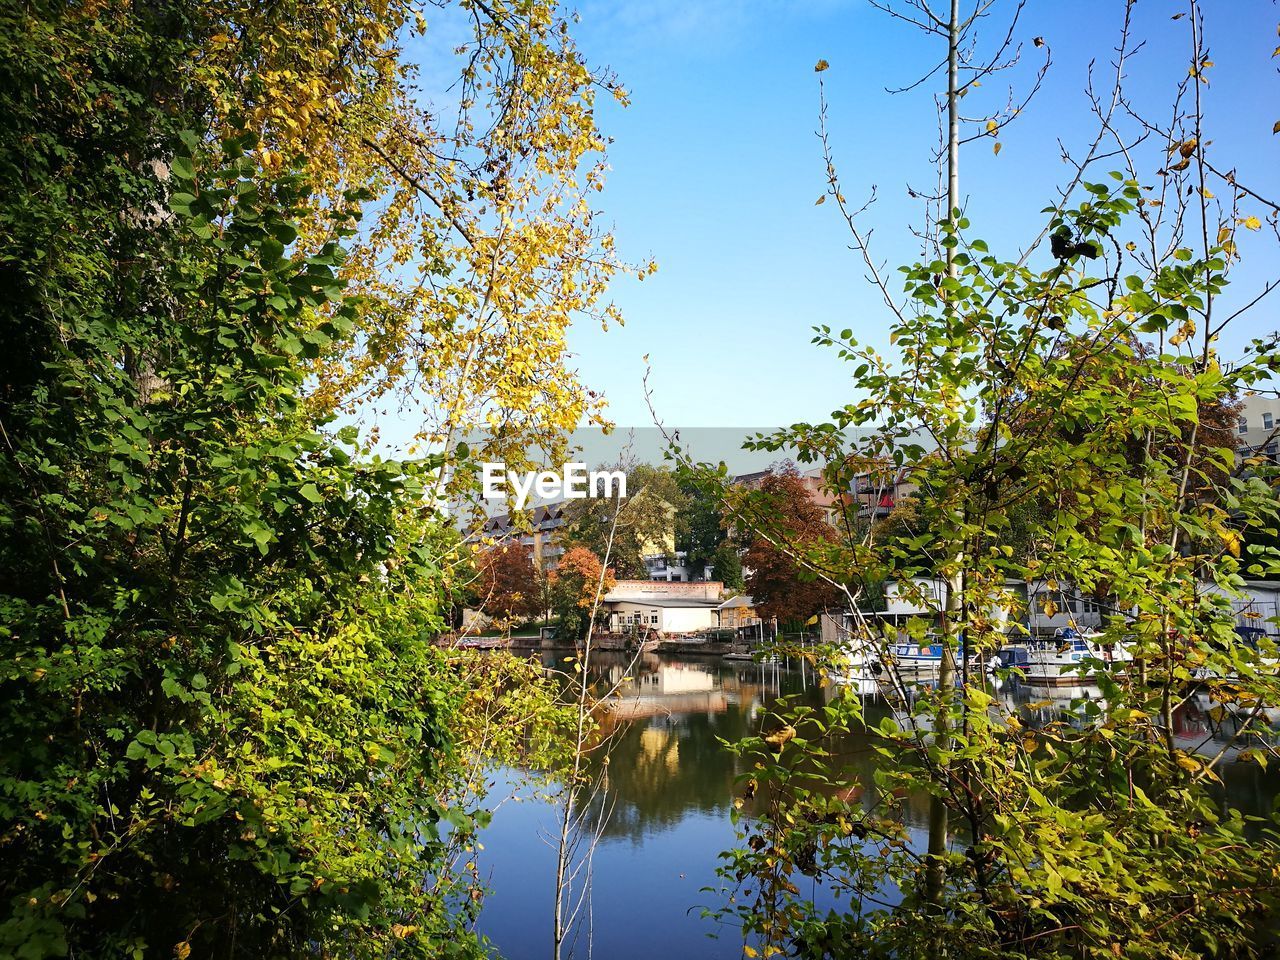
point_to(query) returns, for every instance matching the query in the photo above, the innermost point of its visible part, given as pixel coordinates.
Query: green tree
(645, 520)
(225, 728)
(702, 535)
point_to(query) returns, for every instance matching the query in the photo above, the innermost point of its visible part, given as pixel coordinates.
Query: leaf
(310, 492)
(820, 66)
(992, 126)
(1251, 223)
(996, 148)
(820, 201)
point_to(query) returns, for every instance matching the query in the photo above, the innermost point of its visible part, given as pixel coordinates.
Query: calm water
(664, 816)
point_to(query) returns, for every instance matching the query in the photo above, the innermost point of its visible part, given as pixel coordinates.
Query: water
(669, 792)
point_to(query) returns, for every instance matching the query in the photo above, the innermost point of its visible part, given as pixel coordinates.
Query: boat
(914, 656)
(1068, 657)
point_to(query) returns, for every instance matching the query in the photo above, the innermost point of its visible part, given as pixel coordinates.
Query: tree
(778, 579)
(226, 729)
(1097, 832)
(575, 585)
(641, 524)
(702, 535)
(726, 566)
(508, 590)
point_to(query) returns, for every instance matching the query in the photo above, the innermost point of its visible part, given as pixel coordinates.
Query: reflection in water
(669, 786)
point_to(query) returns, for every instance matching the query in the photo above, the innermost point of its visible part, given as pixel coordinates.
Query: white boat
(1068, 657)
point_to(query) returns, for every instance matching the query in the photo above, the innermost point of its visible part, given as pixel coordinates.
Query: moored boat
(1068, 657)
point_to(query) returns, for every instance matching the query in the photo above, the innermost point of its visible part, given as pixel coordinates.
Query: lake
(663, 819)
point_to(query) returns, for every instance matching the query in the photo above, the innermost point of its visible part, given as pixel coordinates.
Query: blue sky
(716, 169)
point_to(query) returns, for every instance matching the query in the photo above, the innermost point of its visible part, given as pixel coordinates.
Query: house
(737, 611)
(665, 607)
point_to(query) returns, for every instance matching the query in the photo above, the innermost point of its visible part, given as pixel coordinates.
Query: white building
(667, 607)
(674, 569)
(1259, 425)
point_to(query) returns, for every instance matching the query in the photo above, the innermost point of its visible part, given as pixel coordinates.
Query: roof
(664, 602)
(741, 600)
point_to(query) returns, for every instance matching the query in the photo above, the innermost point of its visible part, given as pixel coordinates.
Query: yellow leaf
(1187, 763)
(820, 201)
(996, 148)
(992, 126)
(1231, 540)
(1188, 147)
(1276, 128)
(1252, 223)
(182, 950)
(820, 66)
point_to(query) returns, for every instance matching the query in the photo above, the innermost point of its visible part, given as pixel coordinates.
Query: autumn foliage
(507, 586)
(790, 520)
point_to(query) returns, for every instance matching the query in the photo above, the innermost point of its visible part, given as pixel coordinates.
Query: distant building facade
(1258, 427)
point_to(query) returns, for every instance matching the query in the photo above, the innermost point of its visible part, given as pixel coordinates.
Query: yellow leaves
(1230, 539)
(1250, 223)
(182, 950)
(1190, 764)
(820, 66)
(781, 737)
(1185, 332)
(402, 931)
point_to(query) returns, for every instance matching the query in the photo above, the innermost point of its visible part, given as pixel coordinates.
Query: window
(1244, 425)
(1267, 422)
(654, 619)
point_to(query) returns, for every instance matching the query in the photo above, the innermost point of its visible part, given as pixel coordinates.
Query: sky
(716, 167)
(716, 170)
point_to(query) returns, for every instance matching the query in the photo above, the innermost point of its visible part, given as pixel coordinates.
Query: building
(878, 492)
(1258, 428)
(739, 611)
(536, 529)
(814, 485)
(665, 607)
(673, 568)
